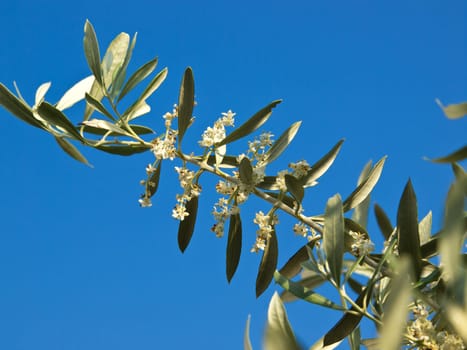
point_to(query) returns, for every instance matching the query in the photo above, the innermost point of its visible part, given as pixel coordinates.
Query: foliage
(411, 296)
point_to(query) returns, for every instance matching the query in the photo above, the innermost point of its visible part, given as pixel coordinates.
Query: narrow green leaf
(220, 154)
(57, 118)
(364, 189)
(71, 150)
(268, 265)
(281, 144)
(245, 171)
(333, 236)
(186, 103)
(352, 226)
(91, 51)
(121, 72)
(383, 222)
(308, 283)
(40, 93)
(346, 324)
(295, 188)
(153, 183)
(234, 245)
(76, 93)
(279, 334)
(453, 157)
(424, 228)
(407, 229)
(251, 124)
(114, 58)
(454, 111)
(138, 129)
(304, 293)
(187, 226)
(97, 105)
(322, 165)
(105, 125)
(293, 266)
(138, 76)
(360, 213)
(123, 149)
(268, 183)
(97, 93)
(246, 336)
(17, 107)
(396, 308)
(354, 339)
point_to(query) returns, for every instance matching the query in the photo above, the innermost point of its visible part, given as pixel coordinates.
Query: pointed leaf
(123, 149)
(153, 183)
(251, 124)
(186, 103)
(268, 265)
(56, 117)
(76, 93)
(91, 51)
(365, 188)
(245, 171)
(407, 229)
(279, 334)
(360, 213)
(234, 245)
(219, 154)
(105, 125)
(40, 93)
(114, 58)
(453, 157)
(312, 281)
(246, 336)
(142, 73)
(97, 105)
(17, 107)
(322, 165)
(71, 150)
(138, 129)
(383, 222)
(121, 72)
(281, 144)
(454, 111)
(295, 188)
(187, 226)
(294, 265)
(424, 228)
(333, 237)
(97, 93)
(459, 172)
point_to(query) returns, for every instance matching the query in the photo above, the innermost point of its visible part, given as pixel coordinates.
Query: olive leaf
(258, 119)
(40, 93)
(245, 171)
(407, 229)
(293, 266)
(57, 118)
(114, 58)
(91, 51)
(454, 111)
(76, 93)
(138, 76)
(360, 213)
(333, 236)
(267, 265)
(424, 228)
(312, 281)
(383, 222)
(186, 103)
(295, 188)
(281, 144)
(124, 149)
(120, 74)
(234, 245)
(71, 150)
(187, 225)
(322, 165)
(98, 106)
(153, 183)
(453, 157)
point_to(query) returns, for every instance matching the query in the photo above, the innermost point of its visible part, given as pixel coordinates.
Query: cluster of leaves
(387, 286)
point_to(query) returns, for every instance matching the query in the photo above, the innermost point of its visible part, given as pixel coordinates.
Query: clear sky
(82, 266)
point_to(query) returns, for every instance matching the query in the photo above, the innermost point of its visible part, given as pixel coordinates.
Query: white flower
(300, 229)
(361, 245)
(179, 212)
(145, 202)
(300, 168)
(228, 118)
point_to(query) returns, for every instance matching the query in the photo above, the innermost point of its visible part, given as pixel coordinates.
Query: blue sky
(82, 266)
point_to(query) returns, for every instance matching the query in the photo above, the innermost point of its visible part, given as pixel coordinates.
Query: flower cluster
(258, 147)
(164, 148)
(299, 170)
(216, 133)
(190, 190)
(222, 211)
(266, 225)
(361, 245)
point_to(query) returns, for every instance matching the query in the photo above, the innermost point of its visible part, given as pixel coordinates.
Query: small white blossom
(228, 118)
(361, 245)
(179, 212)
(300, 168)
(145, 202)
(300, 229)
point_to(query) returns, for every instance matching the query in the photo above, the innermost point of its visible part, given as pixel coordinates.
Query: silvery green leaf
(453, 157)
(40, 93)
(312, 281)
(281, 144)
(424, 228)
(97, 105)
(295, 188)
(407, 229)
(138, 76)
(333, 236)
(246, 336)
(268, 265)
(322, 165)
(138, 129)
(293, 266)
(91, 51)
(142, 109)
(234, 245)
(360, 213)
(186, 103)
(105, 125)
(121, 72)
(364, 189)
(18, 107)
(123, 149)
(71, 150)
(396, 308)
(304, 293)
(76, 93)
(245, 171)
(97, 93)
(383, 222)
(251, 124)
(55, 117)
(279, 334)
(220, 154)
(454, 111)
(187, 226)
(114, 58)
